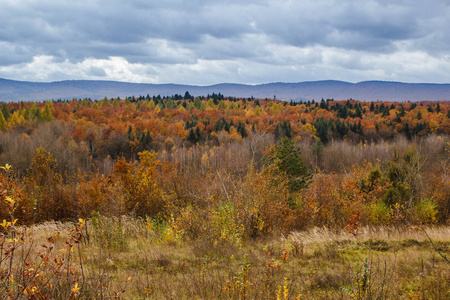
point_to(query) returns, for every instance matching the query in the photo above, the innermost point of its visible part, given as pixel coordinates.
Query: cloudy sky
(205, 42)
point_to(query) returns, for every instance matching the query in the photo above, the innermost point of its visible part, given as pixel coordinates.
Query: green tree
(197, 103)
(407, 130)
(170, 104)
(358, 112)
(192, 136)
(187, 96)
(287, 165)
(405, 174)
(3, 122)
(47, 112)
(5, 111)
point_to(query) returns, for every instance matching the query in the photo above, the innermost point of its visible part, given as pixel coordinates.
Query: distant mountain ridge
(11, 90)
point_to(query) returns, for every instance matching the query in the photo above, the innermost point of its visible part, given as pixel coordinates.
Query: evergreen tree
(192, 136)
(322, 129)
(277, 132)
(5, 111)
(130, 133)
(358, 112)
(343, 112)
(360, 129)
(241, 130)
(286, 158)
(407, 130)
(198, 134)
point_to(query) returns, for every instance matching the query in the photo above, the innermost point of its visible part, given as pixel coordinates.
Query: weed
(108, 233)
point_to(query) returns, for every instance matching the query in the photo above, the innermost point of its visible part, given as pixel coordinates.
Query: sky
(204, 42)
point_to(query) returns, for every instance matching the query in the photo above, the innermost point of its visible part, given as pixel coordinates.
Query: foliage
(426, 211)
(225, 224)
(38, 272)
(214, 175)
(286, 164)
(405, 175)
(226, 168)
(142, 194)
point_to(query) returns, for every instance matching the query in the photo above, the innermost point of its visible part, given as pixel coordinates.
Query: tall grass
(377, 263)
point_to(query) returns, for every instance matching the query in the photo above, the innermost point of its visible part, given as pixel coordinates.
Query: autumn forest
(224, 173)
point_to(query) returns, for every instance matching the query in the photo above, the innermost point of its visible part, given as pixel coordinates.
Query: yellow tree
(47, 112)
(142, 194)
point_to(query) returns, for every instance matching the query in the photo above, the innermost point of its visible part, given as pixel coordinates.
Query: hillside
(217, 197)
(11, 90)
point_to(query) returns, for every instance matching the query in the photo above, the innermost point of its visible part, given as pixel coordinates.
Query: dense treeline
(228, 167)
(115, 127)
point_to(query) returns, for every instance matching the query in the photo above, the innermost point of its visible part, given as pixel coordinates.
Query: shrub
(225, 224)
(379, 213)
(426, 210)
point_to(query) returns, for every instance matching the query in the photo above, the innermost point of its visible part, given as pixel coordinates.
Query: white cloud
(205, 42)
(46, 68)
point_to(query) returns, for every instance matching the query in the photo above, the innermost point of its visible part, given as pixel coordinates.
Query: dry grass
(320, 235)
(144, 262)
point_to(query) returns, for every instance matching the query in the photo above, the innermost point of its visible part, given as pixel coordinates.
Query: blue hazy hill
(11, 90)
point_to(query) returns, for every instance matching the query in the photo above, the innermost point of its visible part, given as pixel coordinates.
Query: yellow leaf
(6, 167)
(75, 288)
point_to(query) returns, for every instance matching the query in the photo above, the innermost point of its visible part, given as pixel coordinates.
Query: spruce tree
(286, 158)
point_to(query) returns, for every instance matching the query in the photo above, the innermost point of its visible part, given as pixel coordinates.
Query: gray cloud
(309, 39)
(96, 71)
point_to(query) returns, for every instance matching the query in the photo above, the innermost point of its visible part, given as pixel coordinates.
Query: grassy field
(136, 259)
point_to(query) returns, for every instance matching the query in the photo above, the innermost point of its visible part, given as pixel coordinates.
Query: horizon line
(220, 83)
